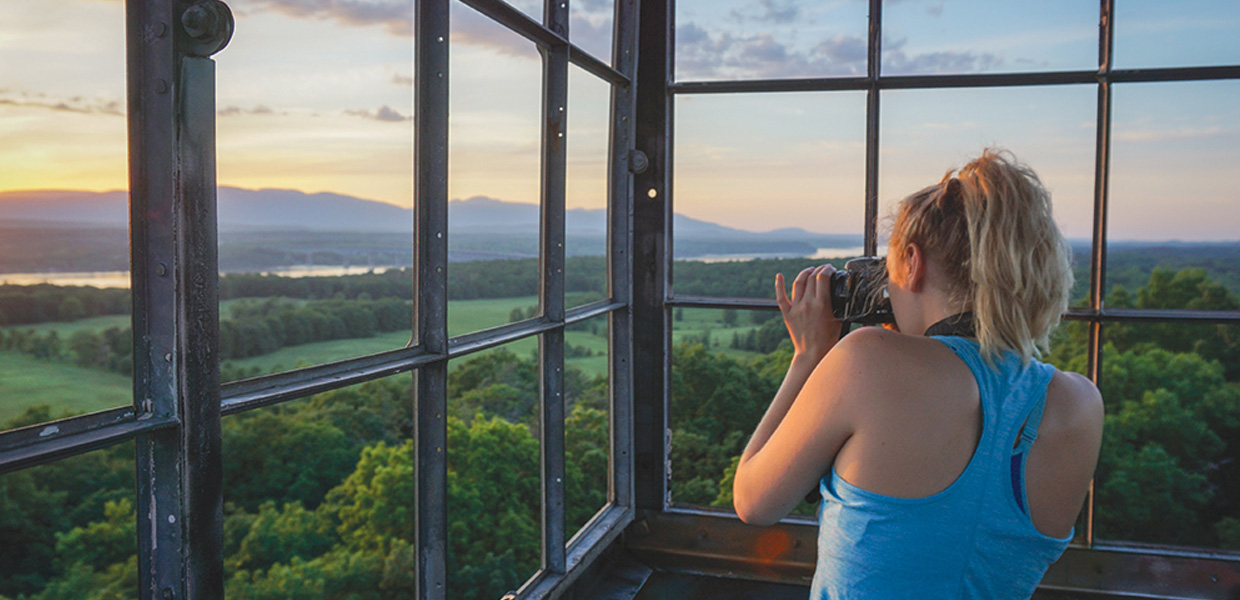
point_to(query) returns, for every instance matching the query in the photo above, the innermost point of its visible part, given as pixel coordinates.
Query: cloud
(394, 15)
(935, 11)
(75, 104)
(475, 29)
(399, 79)
(385, 114)
(898, 62)
(1162, 135)
(233, 111)
(591, 32)
(768, 11)
(704, 54)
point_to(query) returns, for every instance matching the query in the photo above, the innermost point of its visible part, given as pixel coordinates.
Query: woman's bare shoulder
(875, 342)
(1074, 408)
(899, 366)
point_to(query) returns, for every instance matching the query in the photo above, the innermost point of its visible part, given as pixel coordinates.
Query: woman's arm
(761, 494)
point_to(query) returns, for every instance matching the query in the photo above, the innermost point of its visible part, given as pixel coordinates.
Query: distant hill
(242, 210)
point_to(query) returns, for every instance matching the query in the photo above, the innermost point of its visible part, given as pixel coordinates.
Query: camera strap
(958, 325)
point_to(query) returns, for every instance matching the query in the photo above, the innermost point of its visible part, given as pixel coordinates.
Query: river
(120, 279)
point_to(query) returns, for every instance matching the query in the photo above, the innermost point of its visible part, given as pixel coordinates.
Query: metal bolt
(161, 29)
(167, 594)
(198, 21)
(161, 86)
(638, 162)
(208, 25)
(162, 268)
(168, 357)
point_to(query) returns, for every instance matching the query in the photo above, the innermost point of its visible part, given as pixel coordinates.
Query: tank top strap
(1029, 432)
(1036, 394)
(967, 349)
(1013, 394)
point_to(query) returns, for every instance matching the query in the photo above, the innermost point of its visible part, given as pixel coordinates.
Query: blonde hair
(989, 225)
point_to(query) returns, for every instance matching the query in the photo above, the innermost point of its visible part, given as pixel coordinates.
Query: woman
(954, 465)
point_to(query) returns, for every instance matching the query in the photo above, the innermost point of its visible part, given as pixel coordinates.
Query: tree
(71, 309)
(494, 494)
(103, 543)
(271, 456)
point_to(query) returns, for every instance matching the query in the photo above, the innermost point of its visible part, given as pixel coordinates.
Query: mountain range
(242, 210)
(59, 230)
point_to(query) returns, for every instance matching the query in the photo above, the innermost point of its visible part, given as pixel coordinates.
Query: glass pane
(726, 368)
(493, 174)
(1173, 196)
(768, 175)
(589, 145)
(64, 214)
(318, 495)
(70, 527)
(974, 36)
(270, 324)
(315, 170)
(494, 476)
(925, 133)
(1168, 469)
(533, 8)
(587, 428)
(736, 39)
(590, 26)
(1150, 33)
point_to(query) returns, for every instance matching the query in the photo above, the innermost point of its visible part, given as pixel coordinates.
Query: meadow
(67, 389)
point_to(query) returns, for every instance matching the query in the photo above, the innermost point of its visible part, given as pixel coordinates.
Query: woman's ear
(913, 263)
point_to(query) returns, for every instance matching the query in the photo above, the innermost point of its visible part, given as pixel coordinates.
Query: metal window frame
(178, 398)
(1091, 565)
(178, 401)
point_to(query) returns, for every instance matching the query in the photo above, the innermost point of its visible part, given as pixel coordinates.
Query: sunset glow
(319, 98)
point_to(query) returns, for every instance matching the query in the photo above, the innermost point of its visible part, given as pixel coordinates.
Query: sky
(318, 96)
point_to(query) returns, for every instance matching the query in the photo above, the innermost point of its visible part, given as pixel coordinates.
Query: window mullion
(1098, 260)
(872, 94)
(431, 296)
(619, 238)
(551, 288)
(649, 197)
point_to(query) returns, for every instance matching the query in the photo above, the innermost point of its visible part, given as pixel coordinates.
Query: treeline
(42, 303)
(1128, 266)
(260, 327)
(253, 328)
(319, 494)
(466, 281)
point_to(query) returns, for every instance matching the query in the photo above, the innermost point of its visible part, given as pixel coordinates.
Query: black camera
(859, 292)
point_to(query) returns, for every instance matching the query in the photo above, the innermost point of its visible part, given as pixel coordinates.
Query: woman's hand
(807, 314)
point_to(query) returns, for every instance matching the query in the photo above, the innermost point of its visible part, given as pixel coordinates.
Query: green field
(464, 316)
(66, 329)
(27, 382)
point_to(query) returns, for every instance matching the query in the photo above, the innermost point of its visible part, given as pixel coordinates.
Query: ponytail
(991, 227)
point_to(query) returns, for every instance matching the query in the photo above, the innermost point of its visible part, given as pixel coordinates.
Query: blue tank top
(972, 540)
